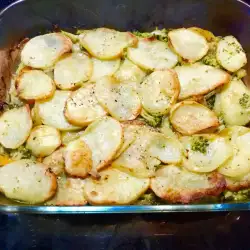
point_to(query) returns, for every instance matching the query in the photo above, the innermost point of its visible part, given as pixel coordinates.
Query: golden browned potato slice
(104, 68)
(129, 72)
(198, 79)
(239, 164)
(78, 158)
(177, 185)
(71, 71)
(114, 187)
(159, 91)
(230, 54)
(238, 183)
(234, 103)
(152, 54)
(206, 152)
(43, 51)
(106, 44)
(189, 117)
(51, 112)
(35, 117)
(34, 85)
(15, 127)
(119, 99)
(82, 107)
(206, 33)
(43, 140)
(190, 45)
(55, 161)
(27, 181)
(69, 192)
(104, 138)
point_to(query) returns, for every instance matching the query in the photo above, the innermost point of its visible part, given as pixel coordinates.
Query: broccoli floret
(161, 35)
(148, 199)
(200, 144)
(210, 102)
(152, 120)
(72, 37)
(236, 196)
(210, 58)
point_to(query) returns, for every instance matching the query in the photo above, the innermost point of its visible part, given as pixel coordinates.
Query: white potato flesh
(159, 91)
(136, 159)
(167, 150)
(198, 79)
(235, 103)
(217, 151)
(51, 112)
(82, 107)
(34, 85)
(71, 71)
(152, 55)
(189, 117)
(78, 158)
(69, 192)
(104, 68)
(120, 99)
(239, 164)
(129, 72)
(104, 138)
(27, 181)
(68, 136)
(43, 51)
(190, 45)
(43, 140)
(15, 127)
(230, 54)
(176, 184)
(55, 161)
(106, 44)
(114, 187)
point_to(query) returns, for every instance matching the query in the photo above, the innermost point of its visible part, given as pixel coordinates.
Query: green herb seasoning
(200, 144)
(244, 101)
(210, 102)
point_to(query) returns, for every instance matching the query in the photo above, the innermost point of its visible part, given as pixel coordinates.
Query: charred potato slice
(189, 117)
(27, 181)
(43, 51)
(43, 140)
(15, 127)
(114, 187)
(177, 185)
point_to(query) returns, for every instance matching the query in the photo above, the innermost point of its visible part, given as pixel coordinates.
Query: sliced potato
(238, 183)
(120, 99)
(129, 72)
(206, 33)
(167, 150)
(177, 185)
(71, 71)
(51, 112)
(34, 85)
(55, 161)
(78, 158)
(159, 91)
(136, 159)
(35, 117)
(235, 103)
(166, 128)
(230, 54)
(104, 68)
(190, 45)
(152, 54)
(239, 164)
(15, 127)
(43, 51)
(206, 152)
(105, 43)
(43, 140)
(189, 117)
(104, 138)
(198, 79)
(69, 192)
(114, 187)
(27, 181)
(68, 136)
(82, 107)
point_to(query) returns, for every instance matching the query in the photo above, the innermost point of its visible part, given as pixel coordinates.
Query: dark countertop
(185, 231)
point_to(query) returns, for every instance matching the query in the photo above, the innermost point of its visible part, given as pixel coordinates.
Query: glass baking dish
(28, 18)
